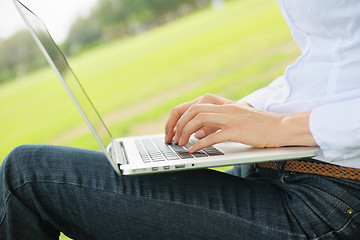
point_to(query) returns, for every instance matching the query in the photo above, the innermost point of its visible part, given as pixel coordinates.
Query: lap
(83, 196)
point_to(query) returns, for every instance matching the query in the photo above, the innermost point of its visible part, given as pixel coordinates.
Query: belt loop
(281, 170)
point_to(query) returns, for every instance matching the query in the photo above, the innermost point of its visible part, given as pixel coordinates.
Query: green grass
(231, 52)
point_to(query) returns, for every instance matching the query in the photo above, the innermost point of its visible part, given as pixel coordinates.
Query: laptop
(145, 154)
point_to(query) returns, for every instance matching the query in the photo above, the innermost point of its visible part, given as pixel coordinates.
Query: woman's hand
(216, 119)
(177, 112)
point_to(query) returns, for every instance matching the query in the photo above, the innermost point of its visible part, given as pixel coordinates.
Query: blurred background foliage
(108, 20)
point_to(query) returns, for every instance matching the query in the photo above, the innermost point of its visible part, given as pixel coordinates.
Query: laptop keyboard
(156, 150)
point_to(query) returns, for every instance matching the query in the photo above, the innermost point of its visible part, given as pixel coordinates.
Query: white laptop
(146, 154)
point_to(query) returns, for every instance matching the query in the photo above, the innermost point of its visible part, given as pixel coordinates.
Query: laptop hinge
(120, 154)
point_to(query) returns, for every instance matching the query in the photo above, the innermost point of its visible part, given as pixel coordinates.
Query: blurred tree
(112, 17)
(85, 31)
(18, 56)
(126, 17)
(109, 19)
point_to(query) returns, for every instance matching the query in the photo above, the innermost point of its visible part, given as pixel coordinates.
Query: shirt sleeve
(259, 98)
(336, 129)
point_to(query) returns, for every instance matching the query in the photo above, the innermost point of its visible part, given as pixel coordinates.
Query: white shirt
(324, 79)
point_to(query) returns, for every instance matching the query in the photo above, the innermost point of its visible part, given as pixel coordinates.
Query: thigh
(77, 192)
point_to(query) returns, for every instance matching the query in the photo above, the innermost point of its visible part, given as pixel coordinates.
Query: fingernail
(190, 148)
(200, 134)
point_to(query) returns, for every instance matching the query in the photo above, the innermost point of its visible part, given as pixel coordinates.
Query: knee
(16, 155)
(22, 161)
(21, 154)
(20, 151)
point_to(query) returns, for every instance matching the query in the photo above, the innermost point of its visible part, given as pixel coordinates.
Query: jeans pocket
(332, 206)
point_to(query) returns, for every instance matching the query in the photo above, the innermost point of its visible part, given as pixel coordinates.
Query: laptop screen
(59, 63)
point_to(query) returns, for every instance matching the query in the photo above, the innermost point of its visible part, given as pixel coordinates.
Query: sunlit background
(136, 60)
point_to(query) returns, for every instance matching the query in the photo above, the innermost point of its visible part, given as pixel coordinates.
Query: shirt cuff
(336, 129)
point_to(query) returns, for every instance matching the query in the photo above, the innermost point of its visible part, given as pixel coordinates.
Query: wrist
(294, 130)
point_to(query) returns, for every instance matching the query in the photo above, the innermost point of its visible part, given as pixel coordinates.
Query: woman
(47, 189)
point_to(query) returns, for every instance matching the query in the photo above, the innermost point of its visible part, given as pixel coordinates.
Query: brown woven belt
(318, 168)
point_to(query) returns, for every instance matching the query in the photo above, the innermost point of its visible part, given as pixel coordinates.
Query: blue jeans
(48, 189)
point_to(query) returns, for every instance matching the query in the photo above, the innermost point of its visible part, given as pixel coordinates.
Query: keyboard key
(156, 150)
(199, 154)
(185, 155)
(172, 158)
(158, 160)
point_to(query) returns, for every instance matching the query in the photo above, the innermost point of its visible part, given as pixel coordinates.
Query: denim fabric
(47, 189)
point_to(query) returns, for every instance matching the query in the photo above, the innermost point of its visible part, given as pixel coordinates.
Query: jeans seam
(156, 199)
(3, 218)
(224, 213)
(331, 198)
(338, 231)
